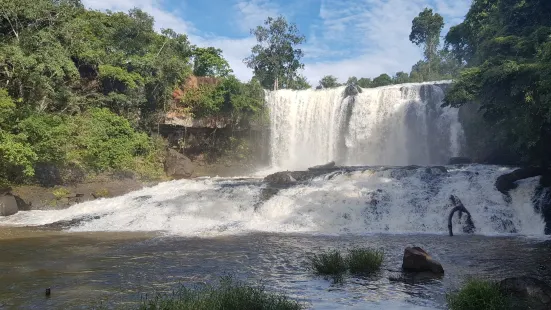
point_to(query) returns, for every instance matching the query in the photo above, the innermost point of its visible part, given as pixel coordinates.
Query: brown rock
(417, 259)
(177, 165)
(8, 205)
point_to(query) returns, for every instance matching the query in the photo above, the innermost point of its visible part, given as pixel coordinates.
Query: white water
(393, 201)
(392, 125)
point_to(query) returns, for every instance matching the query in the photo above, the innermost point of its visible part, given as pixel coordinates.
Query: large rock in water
(8, 205)
(536, 291)
(177, 165)
(416, 259)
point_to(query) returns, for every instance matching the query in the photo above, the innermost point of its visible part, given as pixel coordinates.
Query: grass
(60, 193)
(476, 295)
(229, 294)
(328, 263)
(102, 193)
(364, 260)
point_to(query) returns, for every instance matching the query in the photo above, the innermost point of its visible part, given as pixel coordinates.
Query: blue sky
(362, 38)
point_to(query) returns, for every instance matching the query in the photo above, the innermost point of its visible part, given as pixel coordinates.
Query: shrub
(328, 263)
(364, 260)
(101, 193)
(478, 294)
(229, 294)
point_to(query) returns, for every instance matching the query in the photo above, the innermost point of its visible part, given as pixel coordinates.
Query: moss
(61, 192)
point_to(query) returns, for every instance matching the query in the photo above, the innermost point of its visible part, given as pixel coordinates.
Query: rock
(416, 259)
(506, 182)
(528, 288)
(321, 167)
(459, 161)
(8, 205)
(352, 90)
(177, 165)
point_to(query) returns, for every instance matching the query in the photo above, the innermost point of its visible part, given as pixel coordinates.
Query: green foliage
(329, 81)
(364, 260)
(275, 59)
(229, 294)
(60, 193)
(506, 45)
(425, 30)
(382, 80)
(209, 62)
(478, 294)
(49, 135)
(299, 82)
(16, 157)
(400, 78)
(328, 263)
(365, 82)
(106, 141)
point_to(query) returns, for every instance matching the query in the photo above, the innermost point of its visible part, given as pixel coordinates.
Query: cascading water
(393, 125)
(394, 200)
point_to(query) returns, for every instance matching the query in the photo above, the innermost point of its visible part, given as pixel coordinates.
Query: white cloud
(251, 13)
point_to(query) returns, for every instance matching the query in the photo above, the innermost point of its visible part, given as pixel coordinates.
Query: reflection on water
(84, 268)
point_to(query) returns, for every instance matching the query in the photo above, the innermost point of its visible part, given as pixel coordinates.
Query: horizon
(362, 38)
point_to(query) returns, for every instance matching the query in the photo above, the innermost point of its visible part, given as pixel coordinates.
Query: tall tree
(329, 81)
(400, 78)
(365, 82)
(276, 58)
(299, 82)
(425, 31)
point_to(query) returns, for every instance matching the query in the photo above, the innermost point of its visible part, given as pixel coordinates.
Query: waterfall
(392, 125)
(392, 200)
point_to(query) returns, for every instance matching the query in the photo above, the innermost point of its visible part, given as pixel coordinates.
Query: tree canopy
(275, 59)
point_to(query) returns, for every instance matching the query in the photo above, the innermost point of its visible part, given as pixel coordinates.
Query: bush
(229, 294)
(328, 263)
(364, 260)
(478, 294)
(61, 192)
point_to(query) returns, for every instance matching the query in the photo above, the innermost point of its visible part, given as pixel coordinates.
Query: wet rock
(352, 90)
(535, 290)
(8, 205)
(459, 161)
(48, 292)
(417, 259)
(177, 165)
(326, 166)
(506, 182)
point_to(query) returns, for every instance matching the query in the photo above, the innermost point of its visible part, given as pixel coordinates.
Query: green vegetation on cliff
(85, 90)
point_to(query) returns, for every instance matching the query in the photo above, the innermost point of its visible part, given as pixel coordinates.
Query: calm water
(119, 268)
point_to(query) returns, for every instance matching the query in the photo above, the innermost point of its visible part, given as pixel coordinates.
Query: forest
(88, 89)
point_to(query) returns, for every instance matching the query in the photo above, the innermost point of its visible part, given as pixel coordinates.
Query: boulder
(321, 167)
(536, 291)
(417, 259)
(506, 182)
(177, 165)
(8, 205)
(459, 161)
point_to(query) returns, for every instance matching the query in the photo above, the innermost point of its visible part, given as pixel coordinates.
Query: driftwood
(458, 206)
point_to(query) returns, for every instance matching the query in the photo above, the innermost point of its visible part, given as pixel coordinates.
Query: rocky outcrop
(459, 161)
(506, 182)
(8, 205)
(322, 167)
(177, 165)
(535, 291)
(416, 259)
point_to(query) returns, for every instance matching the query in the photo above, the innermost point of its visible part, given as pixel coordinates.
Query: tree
(365, 82)
(382, 80)
(352, 81)
(276, 59)
(329, 81)
(425, 30)
(209, 62)
(507, 46)
(400, 78)
(299, 82)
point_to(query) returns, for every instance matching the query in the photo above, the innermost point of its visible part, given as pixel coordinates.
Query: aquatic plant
(364, 260)
(328, 263)
(478, 294)
(229, 294)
